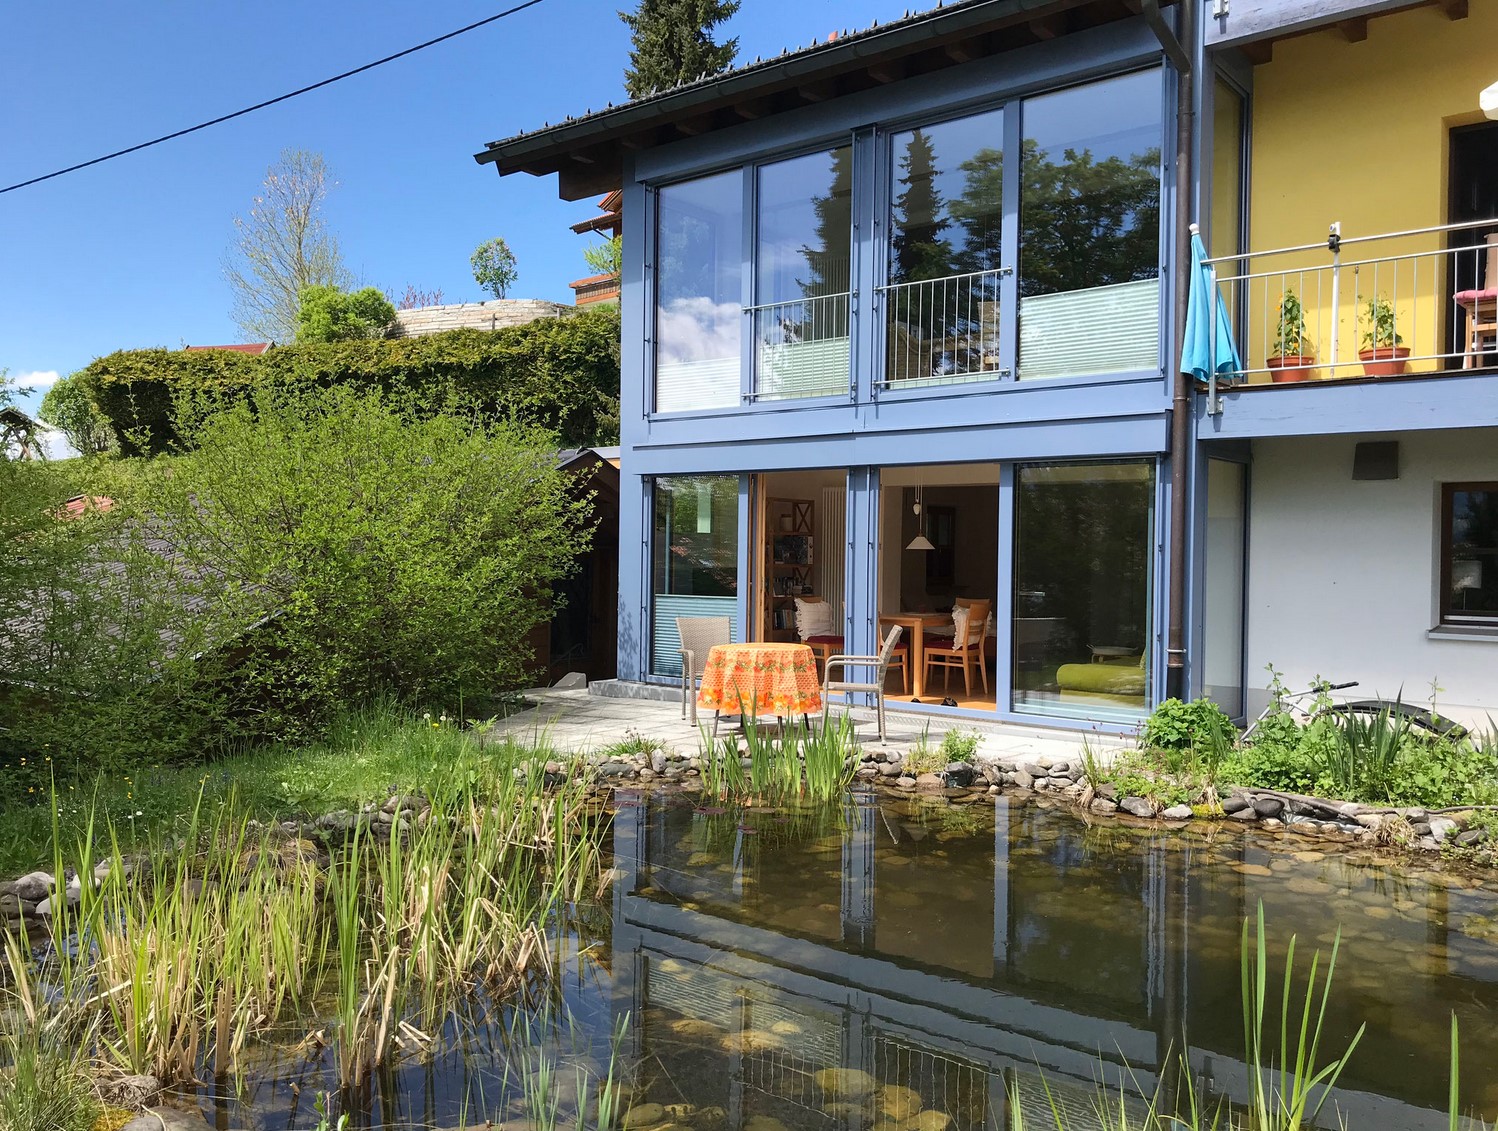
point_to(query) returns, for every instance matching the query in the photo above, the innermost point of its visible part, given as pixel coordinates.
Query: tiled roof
(587, 149)
(256, 348)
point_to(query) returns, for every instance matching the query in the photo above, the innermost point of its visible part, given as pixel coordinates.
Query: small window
(1469, 553)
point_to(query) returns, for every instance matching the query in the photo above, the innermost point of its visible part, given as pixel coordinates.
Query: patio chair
(879, 663)
(698, 636)
(963, 650)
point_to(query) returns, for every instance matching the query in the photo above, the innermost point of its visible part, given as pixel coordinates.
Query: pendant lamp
(920, 541)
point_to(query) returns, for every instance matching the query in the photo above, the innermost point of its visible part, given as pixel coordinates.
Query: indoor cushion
(1476, 296)
(813, 617)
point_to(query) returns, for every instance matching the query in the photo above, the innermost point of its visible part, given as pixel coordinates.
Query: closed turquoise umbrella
(1209, 343)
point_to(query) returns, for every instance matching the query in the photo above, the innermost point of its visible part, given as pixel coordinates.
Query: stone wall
(495, 314)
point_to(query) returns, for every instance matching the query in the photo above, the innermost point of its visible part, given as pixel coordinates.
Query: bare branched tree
(282, 246)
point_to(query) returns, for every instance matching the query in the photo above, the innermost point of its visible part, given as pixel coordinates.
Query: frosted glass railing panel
(689, 386)
(1100, 330)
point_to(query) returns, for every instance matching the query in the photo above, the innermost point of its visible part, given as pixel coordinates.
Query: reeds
(781, 762)
(226, 929)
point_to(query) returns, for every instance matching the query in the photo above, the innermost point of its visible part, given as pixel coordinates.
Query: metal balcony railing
(942, 331)
(1420, 301)
(801, 348)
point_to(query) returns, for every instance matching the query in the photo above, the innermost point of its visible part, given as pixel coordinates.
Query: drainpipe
(1180, 416)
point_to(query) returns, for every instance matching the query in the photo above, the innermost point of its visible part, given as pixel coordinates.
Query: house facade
(901, 326)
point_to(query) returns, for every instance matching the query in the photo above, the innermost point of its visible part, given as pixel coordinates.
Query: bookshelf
(790, 555)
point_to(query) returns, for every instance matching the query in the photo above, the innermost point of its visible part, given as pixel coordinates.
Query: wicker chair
(698, 637)
(879, 663)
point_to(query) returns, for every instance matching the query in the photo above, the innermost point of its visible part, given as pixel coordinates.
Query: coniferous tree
(828, 259)
(671, 42)
(917, 247)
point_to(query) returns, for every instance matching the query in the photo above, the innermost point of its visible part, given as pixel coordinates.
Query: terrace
(1391, 309)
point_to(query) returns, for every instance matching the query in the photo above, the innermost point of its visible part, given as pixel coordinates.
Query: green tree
(494, 267)
(283, 246)
(671, 42)
(382, 553)
(69, 406)
(606, 258)
(328, 314)
(918, 249)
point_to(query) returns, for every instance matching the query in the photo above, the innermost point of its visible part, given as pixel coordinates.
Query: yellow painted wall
(1358, 132)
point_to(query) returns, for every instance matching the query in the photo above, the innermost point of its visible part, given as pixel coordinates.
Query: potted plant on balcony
(1292, 356)
(1383, 353)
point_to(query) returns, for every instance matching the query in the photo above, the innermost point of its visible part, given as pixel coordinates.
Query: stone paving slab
(577, 720)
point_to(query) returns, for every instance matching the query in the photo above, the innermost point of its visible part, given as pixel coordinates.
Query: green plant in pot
(1384, 353)
(1292, 356)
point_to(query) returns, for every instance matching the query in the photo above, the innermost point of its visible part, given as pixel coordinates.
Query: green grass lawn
(367, 755)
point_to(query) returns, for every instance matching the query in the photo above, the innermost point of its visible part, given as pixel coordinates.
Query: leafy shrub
(558, 373)
(348, 549)
(328, 314)
(1175, 725)
(958, 746)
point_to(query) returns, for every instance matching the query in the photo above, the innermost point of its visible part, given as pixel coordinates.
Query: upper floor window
(946, 206)
(699, 293)
(803, 251)
(1469, 553)
(1090, 229)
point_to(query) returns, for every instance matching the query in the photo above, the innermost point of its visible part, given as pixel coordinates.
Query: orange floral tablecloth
(768, 679)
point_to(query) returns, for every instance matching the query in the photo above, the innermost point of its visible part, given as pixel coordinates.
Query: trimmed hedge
(559, 373)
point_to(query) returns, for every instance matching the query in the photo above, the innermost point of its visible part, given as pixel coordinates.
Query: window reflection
(699, 286)
(802, 263)
(694, 559)
(946, 208)
(1083, 556)
(1090, 229)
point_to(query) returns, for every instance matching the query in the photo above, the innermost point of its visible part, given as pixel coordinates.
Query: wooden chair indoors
(962, 650)
(1481, 308)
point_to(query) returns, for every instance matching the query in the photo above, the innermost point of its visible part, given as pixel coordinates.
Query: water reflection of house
(943, 259)
(1034, 950)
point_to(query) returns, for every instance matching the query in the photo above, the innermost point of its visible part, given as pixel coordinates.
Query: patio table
(762, 679)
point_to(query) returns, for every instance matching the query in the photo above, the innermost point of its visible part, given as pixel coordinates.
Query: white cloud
(39, 379)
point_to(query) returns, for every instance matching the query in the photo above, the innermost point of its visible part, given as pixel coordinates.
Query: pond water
(956, 954)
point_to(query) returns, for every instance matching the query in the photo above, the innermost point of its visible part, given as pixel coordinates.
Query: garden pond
(926, 962)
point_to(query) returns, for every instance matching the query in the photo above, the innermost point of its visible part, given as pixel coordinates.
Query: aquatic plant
(783, 761)
(223, 930)
(45, 1084)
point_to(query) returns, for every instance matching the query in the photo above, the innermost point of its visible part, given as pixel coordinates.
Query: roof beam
(888, 70)
(1454, 9)
(961, 52)
(1354, 30)
(1046, 27)
(817, 91)
(578, 181)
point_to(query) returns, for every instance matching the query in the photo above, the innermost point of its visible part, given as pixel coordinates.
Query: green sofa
(1120, 681)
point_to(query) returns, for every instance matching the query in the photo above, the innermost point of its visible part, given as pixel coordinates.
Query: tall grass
(228, 929)
(45, 1084)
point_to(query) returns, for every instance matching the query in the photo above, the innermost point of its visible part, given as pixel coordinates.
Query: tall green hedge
(559, 373)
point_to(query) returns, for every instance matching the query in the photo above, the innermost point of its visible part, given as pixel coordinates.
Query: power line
(272, 101)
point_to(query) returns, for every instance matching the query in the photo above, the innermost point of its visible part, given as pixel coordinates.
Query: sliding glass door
(694, 559)
(1083, 583)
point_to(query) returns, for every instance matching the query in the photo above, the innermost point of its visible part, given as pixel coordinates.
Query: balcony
(1392, 309)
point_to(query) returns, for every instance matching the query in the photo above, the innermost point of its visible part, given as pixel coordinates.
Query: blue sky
(129, 254)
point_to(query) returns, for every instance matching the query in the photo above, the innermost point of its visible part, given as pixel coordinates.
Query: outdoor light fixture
(920, 541)
(1488, 100)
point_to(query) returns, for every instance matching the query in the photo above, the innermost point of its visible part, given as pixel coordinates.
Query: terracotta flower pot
(1384, 361)
(1291, 367)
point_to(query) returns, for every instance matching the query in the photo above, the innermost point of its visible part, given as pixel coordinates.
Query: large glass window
(694, 559)
(802, 272)
(699, 290)
(1090, 229)
(946, 205)
(1469, 553)
(1083, 580)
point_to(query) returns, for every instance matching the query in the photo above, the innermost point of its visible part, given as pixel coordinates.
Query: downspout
(1180, 416)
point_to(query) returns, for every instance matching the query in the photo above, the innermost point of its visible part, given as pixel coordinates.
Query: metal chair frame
(879, 663)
